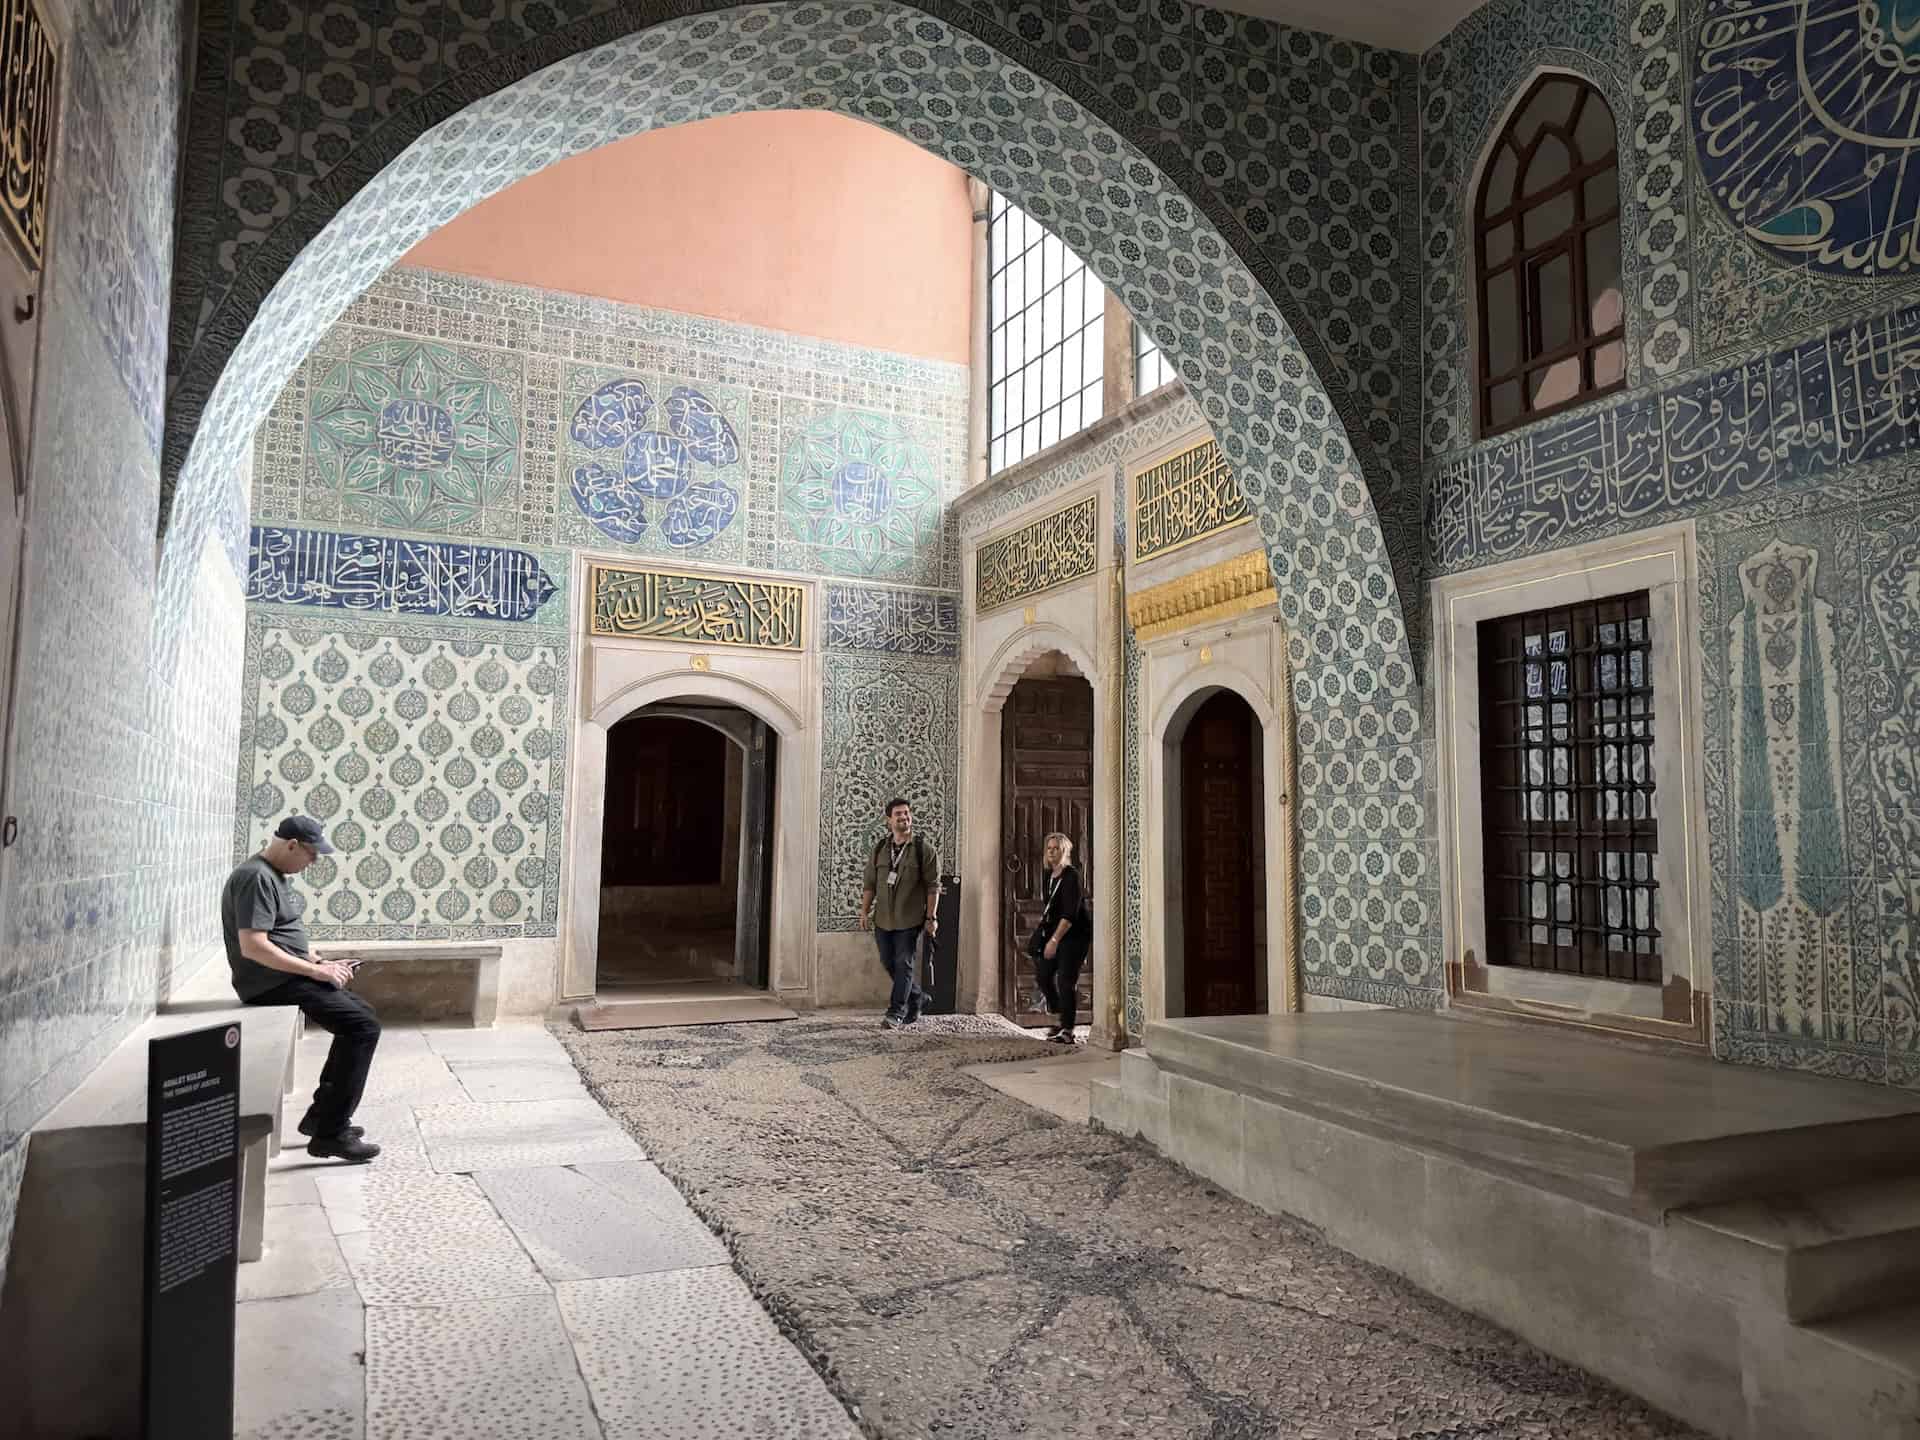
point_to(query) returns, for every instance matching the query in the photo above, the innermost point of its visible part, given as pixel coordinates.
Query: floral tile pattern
(890, 727)
(435, 755)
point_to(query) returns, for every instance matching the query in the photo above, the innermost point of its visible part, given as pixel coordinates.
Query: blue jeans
(899, 957)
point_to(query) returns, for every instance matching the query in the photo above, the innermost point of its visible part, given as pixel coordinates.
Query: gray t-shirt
(259, 897)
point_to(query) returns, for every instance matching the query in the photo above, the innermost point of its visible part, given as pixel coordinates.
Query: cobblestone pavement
(959, 1265)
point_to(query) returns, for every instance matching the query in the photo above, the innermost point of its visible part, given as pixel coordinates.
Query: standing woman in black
(1061, 940)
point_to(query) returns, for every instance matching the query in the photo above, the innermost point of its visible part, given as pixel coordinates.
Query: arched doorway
(1046, 785)
(1222, 860)
(1089, 165)
(685, 872)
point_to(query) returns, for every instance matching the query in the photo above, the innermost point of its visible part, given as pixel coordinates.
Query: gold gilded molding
(29, 69)
(636, 604)
(1219, 592)
(1054, 550)
(1184, 498)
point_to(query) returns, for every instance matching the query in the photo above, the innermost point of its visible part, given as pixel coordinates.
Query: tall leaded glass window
(1570, 825)
(1151, 368)
(1046, 317)
(1547, 257)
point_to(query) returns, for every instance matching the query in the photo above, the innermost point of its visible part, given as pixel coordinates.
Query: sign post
(193, 1218)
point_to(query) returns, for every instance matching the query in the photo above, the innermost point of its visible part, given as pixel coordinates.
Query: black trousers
(1059, 980)
(355, 1030)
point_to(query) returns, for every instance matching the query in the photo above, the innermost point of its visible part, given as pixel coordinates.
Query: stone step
(1809, 1256)
(1630, 1130)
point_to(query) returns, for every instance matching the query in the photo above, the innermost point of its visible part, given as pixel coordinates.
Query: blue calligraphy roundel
(1806, 118)
(636, 464)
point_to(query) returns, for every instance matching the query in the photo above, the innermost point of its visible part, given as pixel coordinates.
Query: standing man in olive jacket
(901, 894)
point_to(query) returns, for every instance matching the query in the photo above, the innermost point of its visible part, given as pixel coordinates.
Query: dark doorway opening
(1046, 784)
(1223, 860)
(686, 859)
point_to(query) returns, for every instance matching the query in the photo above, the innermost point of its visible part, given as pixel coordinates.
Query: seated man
(272, 963)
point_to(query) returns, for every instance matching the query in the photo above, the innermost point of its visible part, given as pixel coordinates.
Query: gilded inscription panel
(1053, 550)
(29, 63)
(633, 604)
(1185, 498)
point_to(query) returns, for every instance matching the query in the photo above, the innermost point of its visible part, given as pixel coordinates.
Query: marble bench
(412, 980)
(70, 1314)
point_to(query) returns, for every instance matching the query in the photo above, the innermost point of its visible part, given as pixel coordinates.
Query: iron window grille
(1571, 823)
(1046, 317)
(1547, 258)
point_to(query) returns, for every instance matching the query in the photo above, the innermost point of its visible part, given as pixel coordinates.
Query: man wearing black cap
(273, 964)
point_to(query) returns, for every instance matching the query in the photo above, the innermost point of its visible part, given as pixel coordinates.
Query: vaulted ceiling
(1396, 24)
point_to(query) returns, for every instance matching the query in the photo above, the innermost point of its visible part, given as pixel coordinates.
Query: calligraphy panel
(29, 65)
(1054, 550)
(892, 622)
(1184, 498)
(698, 609)
(385, 573)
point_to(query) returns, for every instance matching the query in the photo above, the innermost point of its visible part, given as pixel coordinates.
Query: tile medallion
(414, 435)
(859, 494)
(698, 609)
(654, 464)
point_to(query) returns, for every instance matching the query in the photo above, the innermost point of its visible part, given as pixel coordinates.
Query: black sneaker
(305, 1127)
(1060, 1035)
(342, 1147)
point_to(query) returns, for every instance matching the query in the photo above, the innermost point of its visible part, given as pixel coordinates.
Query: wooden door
(1219, 793)
(1046, 784)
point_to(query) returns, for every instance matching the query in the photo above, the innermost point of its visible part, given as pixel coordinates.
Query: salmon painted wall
(807, 223)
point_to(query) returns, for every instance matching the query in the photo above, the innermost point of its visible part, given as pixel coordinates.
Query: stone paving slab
(521, 1134)
(298, 1372)
(300, 1257)
(500, 1369)
(600, 1221)
(524, 1042)
(965, 1267)
(434, 1240)
(492, 1080)
(690, 1355)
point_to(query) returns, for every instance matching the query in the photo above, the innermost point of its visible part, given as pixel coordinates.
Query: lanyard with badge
(893, 866)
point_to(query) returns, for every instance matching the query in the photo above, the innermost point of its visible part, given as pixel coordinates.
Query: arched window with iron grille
(1547, 258)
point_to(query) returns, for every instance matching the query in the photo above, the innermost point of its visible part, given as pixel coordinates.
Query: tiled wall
(419, 489)
(1108, 456)
(1774, 398)
(109, 757)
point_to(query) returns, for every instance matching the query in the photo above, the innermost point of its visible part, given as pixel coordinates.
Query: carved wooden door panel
(1046, 750)
(1219, 794)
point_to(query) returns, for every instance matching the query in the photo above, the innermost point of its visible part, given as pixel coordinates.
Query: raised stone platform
(1733, 1244)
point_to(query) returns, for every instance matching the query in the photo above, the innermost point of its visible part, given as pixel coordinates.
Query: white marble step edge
(1823, 1253)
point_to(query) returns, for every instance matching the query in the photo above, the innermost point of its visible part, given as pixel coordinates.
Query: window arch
(1547, 257)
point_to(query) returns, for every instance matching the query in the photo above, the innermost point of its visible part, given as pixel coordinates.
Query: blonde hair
(1066, 844)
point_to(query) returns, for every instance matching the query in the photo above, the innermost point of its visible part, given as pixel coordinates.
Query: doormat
(666, 1014)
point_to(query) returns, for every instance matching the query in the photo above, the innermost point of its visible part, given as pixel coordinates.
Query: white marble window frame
(1663, 562)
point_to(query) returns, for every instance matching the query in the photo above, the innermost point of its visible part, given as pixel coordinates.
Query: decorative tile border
(890, 621)
(29, 73)
(1041, 555)
(1770, 424)
(700, 609)
(1184, 498)
(334, 571)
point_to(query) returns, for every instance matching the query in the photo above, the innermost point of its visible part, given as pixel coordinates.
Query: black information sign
(193, 1232)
